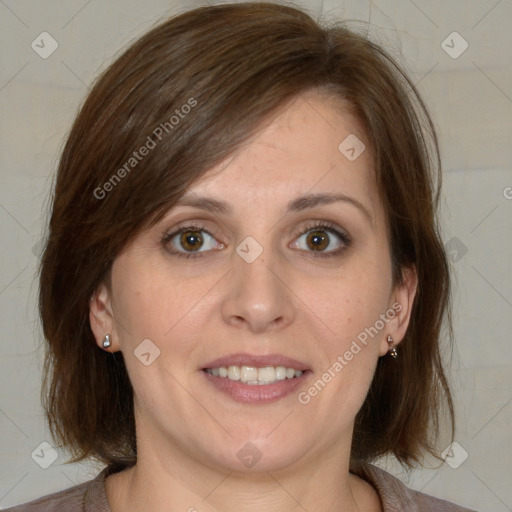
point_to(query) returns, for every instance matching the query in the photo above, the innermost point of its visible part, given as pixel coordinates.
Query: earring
(392, 350)
(106, 341)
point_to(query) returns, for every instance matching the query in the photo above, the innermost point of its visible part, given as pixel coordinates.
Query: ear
(400, 308)
(101, 318)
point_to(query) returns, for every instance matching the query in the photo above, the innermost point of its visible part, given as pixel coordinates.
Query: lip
(245, 359)
(256, 394)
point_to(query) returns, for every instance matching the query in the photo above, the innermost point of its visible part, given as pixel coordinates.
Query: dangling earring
(392, 350)
(106, 341)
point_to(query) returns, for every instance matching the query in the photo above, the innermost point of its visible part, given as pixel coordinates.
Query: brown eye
(323, 239)
(191, 240)
(317, 240)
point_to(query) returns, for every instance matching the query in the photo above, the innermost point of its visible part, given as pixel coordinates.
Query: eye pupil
(318, 239)
(191, 240)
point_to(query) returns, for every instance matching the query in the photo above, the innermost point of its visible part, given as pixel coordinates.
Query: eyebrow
(298, 204)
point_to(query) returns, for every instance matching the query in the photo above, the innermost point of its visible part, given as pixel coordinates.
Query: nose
(257, 297)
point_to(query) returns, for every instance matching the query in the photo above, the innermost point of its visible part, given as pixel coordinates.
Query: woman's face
(283, 252)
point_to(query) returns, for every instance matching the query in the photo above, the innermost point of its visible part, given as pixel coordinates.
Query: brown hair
(191, 91)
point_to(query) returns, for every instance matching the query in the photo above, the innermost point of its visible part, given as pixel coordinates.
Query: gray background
(471, 101)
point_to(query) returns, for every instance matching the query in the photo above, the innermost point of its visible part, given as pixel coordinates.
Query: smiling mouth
(255, 376)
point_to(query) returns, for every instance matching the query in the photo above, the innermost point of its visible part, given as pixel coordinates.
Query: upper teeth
(253, 375)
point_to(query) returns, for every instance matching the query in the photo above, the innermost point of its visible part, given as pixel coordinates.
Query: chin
(261, 454)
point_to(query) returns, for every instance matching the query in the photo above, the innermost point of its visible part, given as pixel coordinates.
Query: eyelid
(331, 228)
(327, 226)
(183, 227)
(169, 234)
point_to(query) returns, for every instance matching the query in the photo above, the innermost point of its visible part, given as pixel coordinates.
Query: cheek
(352, 301)
(151, 300)
(349, 347)
(350, 306)
(157, 313)
(153, 309)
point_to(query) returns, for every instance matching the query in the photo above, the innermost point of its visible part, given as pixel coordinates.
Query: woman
(243, 286)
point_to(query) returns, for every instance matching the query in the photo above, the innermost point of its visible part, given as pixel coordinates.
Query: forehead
(312, 145)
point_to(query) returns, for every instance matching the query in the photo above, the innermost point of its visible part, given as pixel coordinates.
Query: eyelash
(328, 227)
(169, 236)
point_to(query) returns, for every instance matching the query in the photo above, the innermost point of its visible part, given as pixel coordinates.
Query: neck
(176, 481)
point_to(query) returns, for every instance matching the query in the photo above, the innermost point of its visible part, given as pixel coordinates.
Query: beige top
(91, 496)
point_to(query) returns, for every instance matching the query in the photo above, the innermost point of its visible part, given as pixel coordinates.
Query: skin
(289, 301)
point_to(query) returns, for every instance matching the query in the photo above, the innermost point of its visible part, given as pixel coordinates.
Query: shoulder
(71, 499)
(87, 497)
(396, 496)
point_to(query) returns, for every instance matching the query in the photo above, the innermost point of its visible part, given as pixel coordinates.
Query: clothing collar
(393, 494)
